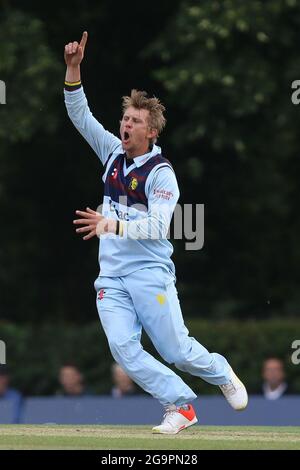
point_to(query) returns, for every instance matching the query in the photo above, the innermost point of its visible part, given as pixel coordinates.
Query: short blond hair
(139, 100)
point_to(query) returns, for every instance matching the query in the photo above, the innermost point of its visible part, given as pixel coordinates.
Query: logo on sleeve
(163, 194)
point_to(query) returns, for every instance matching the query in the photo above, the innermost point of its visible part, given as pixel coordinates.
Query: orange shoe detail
(176, 419)
(188, 414)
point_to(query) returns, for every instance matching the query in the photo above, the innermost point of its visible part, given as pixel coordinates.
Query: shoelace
(170, 412)
(229, 388)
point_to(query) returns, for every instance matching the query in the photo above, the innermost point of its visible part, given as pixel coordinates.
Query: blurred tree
(30, 71)
(228, 69)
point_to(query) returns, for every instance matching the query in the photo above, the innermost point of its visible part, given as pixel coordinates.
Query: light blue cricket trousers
(148, 299)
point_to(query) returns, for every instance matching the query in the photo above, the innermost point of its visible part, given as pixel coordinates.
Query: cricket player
(136, 284)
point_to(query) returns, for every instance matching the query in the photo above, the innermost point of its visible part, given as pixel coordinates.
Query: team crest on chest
(133, 184)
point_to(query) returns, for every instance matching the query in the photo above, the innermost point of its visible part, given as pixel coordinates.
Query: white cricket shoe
(235, 392)
(176, 419)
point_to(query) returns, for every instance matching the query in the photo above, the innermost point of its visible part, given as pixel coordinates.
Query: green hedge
(34, 353)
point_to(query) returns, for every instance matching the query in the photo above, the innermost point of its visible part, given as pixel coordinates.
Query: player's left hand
(94, 223)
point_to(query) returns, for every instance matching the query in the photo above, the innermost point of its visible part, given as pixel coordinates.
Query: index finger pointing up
(84, 39)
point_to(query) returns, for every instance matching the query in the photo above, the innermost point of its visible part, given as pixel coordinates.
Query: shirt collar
(276, 393)
(139, 161)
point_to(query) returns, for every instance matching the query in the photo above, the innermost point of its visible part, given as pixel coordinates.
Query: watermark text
(2, 92)
(295, 358)
(155, 222)
(2, 353)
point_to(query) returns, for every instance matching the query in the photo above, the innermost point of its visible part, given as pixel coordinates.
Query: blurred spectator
(71, 381)
(123, 385)
(8, 393)
(274, 385)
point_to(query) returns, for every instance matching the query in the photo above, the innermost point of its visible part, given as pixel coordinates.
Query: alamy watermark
(2, 92)
(295, 358)
(2, 353)
(154, 223)
(295, 96)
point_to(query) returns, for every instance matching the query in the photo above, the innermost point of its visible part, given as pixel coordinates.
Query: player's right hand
(90, 219)
(74, 52)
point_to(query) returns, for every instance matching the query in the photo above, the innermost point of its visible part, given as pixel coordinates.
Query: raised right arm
(101, 141)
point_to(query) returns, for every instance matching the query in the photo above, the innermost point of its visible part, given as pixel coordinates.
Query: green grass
(140, 437)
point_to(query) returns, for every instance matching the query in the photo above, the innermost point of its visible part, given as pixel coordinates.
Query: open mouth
(126, 136)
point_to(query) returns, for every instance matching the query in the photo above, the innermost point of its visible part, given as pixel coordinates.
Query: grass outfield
(140, 437)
